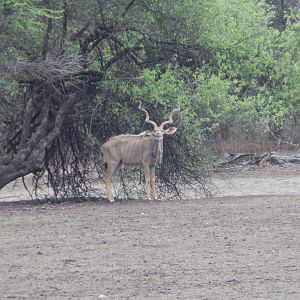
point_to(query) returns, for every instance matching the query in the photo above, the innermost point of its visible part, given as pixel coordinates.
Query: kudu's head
(159, 131)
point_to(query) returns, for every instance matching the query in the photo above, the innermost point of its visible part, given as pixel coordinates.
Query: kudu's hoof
(152, 199)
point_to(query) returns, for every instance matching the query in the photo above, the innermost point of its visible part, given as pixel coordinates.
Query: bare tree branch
(49, 70)
(128, 8)
(27, 118)
(47, 34)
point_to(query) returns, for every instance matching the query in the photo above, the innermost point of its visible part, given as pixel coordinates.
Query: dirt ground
(242, 244)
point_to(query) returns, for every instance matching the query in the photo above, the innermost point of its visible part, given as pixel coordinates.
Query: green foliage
(29, 8)
(205, 102)
(238, 61)
(288, 67)
(24, 25)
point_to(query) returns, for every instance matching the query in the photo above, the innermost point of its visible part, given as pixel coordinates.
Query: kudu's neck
(158, 149)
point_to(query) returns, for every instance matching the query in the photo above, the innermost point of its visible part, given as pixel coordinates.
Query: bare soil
(242, 244)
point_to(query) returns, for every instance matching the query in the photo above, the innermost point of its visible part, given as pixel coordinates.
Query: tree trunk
(31, 149)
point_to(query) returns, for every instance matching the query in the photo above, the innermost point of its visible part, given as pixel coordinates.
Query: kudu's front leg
(152, 182)
(147, 180)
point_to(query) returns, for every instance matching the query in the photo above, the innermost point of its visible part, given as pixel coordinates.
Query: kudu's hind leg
(111, 168)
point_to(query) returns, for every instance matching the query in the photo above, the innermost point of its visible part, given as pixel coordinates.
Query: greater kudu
(145, 148)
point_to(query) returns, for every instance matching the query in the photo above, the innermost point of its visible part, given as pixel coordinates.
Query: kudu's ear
(170, 130)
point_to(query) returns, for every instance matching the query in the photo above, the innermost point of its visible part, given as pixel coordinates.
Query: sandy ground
(273, 180)
(244, 243)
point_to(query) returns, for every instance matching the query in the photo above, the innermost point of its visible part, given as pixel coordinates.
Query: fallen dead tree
(259, 160)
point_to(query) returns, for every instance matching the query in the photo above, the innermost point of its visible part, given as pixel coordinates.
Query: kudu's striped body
(145, 148)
